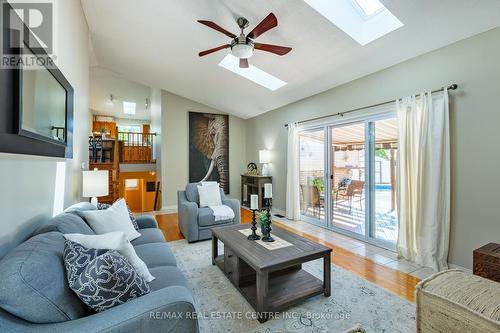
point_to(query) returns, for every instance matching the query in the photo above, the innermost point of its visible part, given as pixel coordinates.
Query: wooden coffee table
(270, 280)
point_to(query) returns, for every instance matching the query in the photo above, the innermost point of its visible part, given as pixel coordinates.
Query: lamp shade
(95, 183)
(264, 156)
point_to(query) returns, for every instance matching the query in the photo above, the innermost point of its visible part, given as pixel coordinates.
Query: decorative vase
(267, 236)
(254, 235)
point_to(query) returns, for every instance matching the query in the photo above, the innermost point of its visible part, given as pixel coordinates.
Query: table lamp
(95, 184)
(264, 158)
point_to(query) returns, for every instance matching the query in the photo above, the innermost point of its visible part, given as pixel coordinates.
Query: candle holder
(267, 237)
(253, 236)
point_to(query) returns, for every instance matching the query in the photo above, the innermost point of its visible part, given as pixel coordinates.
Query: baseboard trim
(169, 209)
(279, 211)
(453, 266)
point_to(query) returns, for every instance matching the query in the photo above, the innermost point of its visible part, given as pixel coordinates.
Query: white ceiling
(156, 42)
(104, 82)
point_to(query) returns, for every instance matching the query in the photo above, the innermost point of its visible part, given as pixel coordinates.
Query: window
(131, 184)
(129, 107)
(130, 128)
(369, 7)
(363, 20)
(128, 134)
(252, 73)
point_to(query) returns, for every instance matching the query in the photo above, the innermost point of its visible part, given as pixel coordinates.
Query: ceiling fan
(242, 46)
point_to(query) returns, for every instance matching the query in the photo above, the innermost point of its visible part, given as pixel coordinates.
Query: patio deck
(353, 219)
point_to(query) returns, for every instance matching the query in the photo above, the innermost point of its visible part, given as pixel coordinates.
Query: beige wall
(32, 191)
(156, 127)
(475, 117)
(175, 150)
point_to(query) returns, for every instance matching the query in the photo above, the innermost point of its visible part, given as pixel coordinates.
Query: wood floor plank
(397, 282)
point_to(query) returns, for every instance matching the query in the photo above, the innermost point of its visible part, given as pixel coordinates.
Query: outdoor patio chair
(354, 189)
(311, 198)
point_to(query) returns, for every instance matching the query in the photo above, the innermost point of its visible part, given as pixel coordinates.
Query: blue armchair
(195, 222)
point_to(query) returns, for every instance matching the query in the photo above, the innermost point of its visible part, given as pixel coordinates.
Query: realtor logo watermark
(28, 38)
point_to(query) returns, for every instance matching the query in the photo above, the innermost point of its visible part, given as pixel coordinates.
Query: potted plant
(263, 222)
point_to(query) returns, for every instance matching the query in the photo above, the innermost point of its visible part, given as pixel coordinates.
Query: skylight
(363, 20)
(129, 107)
(369, 7)
(252, 73)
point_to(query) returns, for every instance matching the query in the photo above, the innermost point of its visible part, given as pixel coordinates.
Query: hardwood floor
(168, 223)
(397, 282)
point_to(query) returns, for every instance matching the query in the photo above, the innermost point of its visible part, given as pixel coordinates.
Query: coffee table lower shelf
(285, 287)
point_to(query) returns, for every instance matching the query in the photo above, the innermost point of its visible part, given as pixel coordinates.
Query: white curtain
(423, 173)
(292, 174)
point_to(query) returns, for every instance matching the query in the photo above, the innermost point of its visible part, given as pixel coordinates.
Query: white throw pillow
(118, 241)
(115, 218)
(209, 195)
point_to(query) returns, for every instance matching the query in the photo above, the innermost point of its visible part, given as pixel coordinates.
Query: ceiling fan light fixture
(242, 51)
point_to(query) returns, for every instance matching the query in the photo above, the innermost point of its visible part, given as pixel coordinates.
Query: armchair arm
(188, 216)
(146, 221)
(235, 206)
(166, 310)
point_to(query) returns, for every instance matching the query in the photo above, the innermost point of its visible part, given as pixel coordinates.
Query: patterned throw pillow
(102, 279)
(76, 258)
(102, 206)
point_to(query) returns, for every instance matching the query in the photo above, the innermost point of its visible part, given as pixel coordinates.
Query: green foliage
(319, 183)
(382, 153)
(263, 218)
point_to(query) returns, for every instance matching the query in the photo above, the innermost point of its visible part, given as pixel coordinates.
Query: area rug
(221, 308)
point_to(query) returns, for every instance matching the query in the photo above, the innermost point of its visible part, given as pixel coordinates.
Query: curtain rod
(451, 87)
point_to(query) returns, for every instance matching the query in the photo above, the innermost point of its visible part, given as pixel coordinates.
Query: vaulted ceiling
(156, 43)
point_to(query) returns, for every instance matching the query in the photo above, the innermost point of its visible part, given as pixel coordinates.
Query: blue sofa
(35, 296)
(195, 222)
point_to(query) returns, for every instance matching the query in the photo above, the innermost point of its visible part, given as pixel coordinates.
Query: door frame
(368, 118)
(322, 223)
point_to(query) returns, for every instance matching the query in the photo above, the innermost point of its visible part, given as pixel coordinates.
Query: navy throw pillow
(102, 206)
(102, 279)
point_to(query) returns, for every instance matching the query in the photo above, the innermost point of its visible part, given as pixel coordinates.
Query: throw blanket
(222, 212)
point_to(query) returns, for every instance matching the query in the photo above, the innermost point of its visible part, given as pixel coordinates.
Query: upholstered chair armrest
(183, 204)
(166, 310)
(235, 206)
(146, 221)
(188, 216)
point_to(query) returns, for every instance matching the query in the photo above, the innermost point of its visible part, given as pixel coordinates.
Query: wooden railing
(137, 147)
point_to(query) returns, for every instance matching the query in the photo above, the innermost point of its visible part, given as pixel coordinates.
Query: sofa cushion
(156, 254)
(66, 223)
(80, 207)
(102, 206)
(149, 235)
(206, 218)
(192, 192)
(102, 279)
(33, 282)
(193, 195)
(167, 276)
(76, 257)
(115, 218)
(113, 241)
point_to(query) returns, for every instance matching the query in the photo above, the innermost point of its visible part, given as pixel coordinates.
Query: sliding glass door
(384, 135)
(347, 178)
(312, 175)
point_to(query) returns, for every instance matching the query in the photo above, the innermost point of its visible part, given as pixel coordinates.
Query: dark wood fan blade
(215, 26)
(268, 23)
(215, 49)
(276, 49)
(243, 63)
